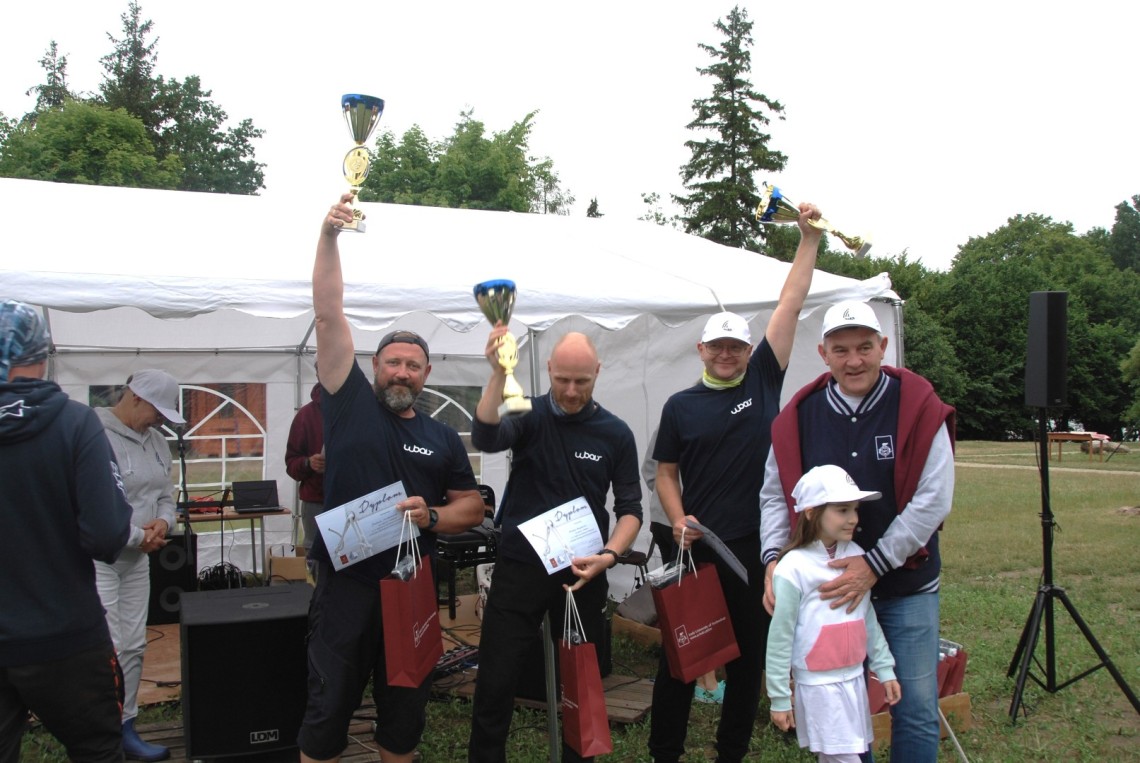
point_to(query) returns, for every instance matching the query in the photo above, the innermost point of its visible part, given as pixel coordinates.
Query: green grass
(992, 566)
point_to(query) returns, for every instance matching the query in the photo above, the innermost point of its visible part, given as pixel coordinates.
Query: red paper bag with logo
(585, 724)
(696, 632)
(413, 642)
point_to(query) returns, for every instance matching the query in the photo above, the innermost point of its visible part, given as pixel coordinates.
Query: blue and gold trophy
(362, 113)
(776, 209)
(497, 300)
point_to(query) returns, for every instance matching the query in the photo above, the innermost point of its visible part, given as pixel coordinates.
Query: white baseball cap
(828, 484)
(726, 326)
(847, 315)
(160, 390)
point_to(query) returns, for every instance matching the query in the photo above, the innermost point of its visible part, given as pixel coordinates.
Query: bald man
(568, 446)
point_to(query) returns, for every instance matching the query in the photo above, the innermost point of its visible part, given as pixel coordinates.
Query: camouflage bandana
(24, 339)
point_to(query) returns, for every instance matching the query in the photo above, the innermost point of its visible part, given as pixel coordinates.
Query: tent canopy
(176, 255)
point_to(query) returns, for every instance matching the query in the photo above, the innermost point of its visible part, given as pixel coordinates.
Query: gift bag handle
(417, 557)
(680, 565)
(570, 617)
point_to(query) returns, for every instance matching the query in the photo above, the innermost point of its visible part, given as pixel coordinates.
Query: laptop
(255, 495)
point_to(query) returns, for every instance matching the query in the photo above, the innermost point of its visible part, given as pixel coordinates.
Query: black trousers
(672, 699)
(78, 698)
(520, 595)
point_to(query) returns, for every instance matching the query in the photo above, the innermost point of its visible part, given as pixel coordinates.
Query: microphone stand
(184, 504)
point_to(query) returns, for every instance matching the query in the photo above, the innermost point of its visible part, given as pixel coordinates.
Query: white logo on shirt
(418, 449)
(746, 404)
(15, 410)
(583, 455)
(885, 447)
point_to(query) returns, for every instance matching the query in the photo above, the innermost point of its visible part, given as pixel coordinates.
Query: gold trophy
(497, 299)
(776, 209)
(362, 113)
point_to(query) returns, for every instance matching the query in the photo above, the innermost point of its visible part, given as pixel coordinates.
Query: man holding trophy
(566, 448)
(713, 439)
(373, 438)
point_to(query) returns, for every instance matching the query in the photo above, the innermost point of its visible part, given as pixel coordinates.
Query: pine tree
(720, 176)
(53, 93)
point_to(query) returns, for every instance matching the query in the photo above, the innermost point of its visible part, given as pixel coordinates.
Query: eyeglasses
(734, 349)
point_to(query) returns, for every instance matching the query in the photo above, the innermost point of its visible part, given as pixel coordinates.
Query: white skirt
(834, 718)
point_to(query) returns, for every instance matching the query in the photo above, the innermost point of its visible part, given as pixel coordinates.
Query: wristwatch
(433, 517)
(612, 553)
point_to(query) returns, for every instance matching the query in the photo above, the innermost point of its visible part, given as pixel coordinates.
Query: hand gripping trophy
(362, 113)
(776, 209)
(497, 300)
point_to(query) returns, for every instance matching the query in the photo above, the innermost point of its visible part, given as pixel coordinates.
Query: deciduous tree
(468, 170)
(89, 144)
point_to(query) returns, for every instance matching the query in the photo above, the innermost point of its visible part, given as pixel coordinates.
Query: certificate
(563, 533)
(364, 527)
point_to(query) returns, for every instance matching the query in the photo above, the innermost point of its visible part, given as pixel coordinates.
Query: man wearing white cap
(713, 438)
(144, 460)
(889, 430)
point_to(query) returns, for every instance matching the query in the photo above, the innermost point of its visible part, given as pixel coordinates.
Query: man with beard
(373, 437)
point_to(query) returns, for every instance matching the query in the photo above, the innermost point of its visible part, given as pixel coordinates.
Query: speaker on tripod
(172, 574)
(1045, 366)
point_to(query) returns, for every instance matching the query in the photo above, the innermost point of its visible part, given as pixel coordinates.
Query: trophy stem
(856, 244)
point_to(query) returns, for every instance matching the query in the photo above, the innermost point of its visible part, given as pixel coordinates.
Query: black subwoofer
(244, 669)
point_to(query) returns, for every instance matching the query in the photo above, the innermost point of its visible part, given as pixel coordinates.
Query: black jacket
(62, 504)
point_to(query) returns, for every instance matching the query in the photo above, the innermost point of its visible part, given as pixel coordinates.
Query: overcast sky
(922, 124)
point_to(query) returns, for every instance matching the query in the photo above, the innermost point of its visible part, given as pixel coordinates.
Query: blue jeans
(910, 624)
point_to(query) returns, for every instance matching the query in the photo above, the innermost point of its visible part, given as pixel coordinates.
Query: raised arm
(781, 331)
(334, 337)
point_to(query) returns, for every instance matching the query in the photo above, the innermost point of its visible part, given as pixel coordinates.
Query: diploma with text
(563, 533)
(363, 527)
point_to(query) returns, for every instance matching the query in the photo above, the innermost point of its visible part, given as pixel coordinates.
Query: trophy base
(513, 406)
(356, 226)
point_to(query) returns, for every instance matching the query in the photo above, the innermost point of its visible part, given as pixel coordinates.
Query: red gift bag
(696, 632)
(413, 641)
(585, 725)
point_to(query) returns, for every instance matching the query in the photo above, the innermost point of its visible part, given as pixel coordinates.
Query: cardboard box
(287, 565)
(956, 708)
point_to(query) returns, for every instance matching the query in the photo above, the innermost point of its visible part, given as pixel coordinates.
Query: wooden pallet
(628, 699)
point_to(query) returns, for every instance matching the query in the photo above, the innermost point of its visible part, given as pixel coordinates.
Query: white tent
(216, 288)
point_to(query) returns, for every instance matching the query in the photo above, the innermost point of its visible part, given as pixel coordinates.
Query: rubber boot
(136, 749)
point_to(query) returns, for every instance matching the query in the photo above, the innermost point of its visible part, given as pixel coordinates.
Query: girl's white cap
(829, 484)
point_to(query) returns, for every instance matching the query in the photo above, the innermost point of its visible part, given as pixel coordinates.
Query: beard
(396, 397)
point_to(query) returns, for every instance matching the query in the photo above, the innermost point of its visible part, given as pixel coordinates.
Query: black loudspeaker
(244, 669)
(1046, 361)
(172, 573)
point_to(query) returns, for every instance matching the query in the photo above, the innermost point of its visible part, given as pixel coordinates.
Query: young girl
(822, 648)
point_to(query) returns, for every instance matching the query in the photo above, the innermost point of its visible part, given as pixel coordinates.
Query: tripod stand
(1043, 606)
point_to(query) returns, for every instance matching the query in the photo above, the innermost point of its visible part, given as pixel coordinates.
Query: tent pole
(532, 341)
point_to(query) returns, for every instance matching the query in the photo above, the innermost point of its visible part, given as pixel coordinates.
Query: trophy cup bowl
(776, 209)
(497, 300)
(362, 114)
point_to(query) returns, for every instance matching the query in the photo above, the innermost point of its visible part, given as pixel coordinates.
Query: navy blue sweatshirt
(61, 505)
